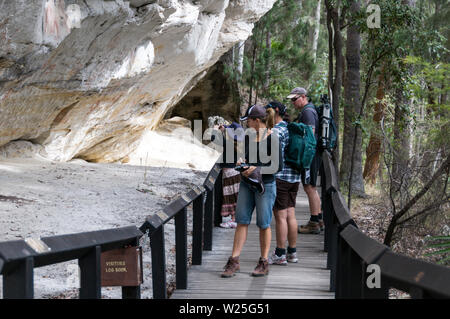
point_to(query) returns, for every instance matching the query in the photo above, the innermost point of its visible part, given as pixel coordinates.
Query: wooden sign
(122, 267)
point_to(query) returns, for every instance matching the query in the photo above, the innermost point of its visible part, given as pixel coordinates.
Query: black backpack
(327, 128)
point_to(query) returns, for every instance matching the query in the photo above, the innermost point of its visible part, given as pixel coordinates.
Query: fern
(438, 243)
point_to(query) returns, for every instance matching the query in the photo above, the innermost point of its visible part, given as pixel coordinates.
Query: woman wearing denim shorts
(263, 154)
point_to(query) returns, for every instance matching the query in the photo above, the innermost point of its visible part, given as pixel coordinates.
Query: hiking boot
(292, 258)
(231, 267)
(262, 268)
(277, 260)
(310, 228)
(321, 225)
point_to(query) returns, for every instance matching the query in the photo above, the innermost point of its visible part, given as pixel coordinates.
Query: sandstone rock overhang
(88, 78)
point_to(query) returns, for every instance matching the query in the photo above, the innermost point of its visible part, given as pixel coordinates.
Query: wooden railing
(355, 260)
(206, 202)
(351, 254)
(19, 258)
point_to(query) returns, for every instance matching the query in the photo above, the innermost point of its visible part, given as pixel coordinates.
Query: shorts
(309, 176)
(286, 195)
(248, 200)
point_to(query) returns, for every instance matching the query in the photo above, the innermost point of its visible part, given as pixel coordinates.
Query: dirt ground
(41, 198)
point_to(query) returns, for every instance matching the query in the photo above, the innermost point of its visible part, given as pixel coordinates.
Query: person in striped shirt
(287, 181)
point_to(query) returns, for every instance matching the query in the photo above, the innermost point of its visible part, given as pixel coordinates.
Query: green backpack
(302, 146)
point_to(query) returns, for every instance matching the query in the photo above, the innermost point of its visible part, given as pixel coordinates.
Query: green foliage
(287, 61)
(390, 43)
(430, 83)
(318, 86)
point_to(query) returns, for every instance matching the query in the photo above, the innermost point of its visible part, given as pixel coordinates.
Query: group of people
(279, 185)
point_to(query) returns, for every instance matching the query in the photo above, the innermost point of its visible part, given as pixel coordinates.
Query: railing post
(197, 230)
(181, 248)
(326, 211)
(355, 276)
(417, 293)
(331, 236)
(341, 269)
(132, 292)
(18, 283)
(90, 274)
(158, 263)
(218, 196)
(208, 221)
(332, 250)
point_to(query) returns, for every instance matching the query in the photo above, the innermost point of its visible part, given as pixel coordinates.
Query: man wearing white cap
(308, 115)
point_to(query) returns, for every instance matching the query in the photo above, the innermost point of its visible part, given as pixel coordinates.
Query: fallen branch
(423, 211)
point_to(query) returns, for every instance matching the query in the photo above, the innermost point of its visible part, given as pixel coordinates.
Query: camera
(242, 167)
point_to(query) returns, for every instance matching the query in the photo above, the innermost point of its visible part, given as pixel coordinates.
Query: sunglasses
(295, 98)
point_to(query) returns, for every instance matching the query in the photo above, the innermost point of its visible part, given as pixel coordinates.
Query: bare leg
(313, 198)
(292, 227)
(240, 236)
(281, 227)
(265, 236)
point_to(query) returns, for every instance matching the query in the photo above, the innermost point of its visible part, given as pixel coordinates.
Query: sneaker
(228, 224)
(226, 219)
(321, 225)
(277, 260)
(292, 258)
(310, 228)
(262, 268)
(231, 267)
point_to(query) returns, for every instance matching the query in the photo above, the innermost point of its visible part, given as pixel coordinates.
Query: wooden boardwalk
(308, 278)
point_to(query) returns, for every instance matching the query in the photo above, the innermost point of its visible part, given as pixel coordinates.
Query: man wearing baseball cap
(308, 115)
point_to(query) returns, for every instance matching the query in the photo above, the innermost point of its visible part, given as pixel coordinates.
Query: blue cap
(275, 104)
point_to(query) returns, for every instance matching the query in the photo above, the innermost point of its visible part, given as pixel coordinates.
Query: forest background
(385, 66)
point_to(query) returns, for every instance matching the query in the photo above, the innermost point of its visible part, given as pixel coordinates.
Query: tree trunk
(240, 58)
(336, 85)
(373, 150)
(252, 77)
(351, 162)
(402, 140)
(267, 71)
(402, 129)
(314, 36)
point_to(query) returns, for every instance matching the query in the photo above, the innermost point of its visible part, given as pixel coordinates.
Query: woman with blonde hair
(263, 160)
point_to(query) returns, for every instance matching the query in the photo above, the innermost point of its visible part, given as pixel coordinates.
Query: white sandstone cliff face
(90, 78)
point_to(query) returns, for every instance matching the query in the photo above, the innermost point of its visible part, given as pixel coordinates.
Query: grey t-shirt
(310, 117)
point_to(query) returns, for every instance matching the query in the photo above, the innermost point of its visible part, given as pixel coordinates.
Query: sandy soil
(41, 198)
